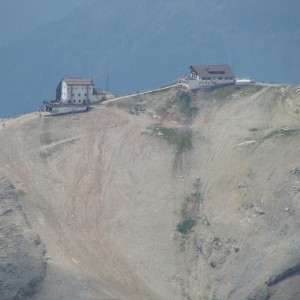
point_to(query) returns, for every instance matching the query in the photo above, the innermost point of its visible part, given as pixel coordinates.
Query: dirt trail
(101, 192)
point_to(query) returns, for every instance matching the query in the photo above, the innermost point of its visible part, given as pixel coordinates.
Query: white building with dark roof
(202, 76)
(75, 90)
(75, 94)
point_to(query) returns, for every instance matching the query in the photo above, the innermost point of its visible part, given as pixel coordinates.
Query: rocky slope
(165, 195)
(22, 263)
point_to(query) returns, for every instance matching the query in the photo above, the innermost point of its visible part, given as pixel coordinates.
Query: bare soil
(105, 194)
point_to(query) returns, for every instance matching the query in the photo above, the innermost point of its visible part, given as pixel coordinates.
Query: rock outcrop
(22, 262)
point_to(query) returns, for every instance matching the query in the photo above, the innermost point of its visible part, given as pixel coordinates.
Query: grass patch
(191, 205)
(251, 89)
(190, 209)
(227, 90)
(185, 226)
(282, 132)
(185, 105)
(222, 91)
(180, 139)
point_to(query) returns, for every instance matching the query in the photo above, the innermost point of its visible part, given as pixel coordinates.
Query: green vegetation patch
(185, 105)
(223, 91)
(181, 139)
(190, 209)
(250, 89)
(187, 207)
(282, 132)
(185, 226)
(227, 90)
(191, 205)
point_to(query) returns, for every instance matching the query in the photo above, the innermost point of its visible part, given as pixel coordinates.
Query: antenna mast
(107, 83)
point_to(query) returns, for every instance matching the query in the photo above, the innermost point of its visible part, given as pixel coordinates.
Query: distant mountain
(141, 44)
(18, 17)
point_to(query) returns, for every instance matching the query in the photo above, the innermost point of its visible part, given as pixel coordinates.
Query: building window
(79, 94)
(72, 94)
(216, 72)
(84, 94)
(79, 101)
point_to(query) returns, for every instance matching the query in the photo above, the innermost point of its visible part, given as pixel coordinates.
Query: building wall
(58, 91)
(193, 84)
(215, 81)
(76, 93)
(64, 94)
(68, 109)
(209, 80)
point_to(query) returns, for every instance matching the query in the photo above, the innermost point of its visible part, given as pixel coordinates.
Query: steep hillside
(166, 195)
(22, 261)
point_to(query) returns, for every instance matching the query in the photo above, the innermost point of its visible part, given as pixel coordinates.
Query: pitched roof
(212, 71)
(78, 80)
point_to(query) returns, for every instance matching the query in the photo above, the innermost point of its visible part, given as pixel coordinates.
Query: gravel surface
(105, 192)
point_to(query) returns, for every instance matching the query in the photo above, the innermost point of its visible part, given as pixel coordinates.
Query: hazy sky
(140, 44)
(19, 17)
